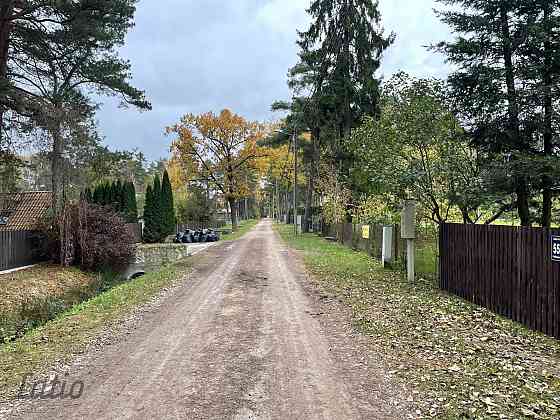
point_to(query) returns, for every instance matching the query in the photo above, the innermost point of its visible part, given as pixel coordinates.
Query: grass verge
(458, 360)
(244, 227)
(426, 258)
(33, 296)
(70, 333)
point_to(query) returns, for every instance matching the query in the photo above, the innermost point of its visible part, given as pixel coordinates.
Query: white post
(387, 249)
(408, 232)
(410, 259)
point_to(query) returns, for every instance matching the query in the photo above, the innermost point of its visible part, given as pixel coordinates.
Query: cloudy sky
(197, 56)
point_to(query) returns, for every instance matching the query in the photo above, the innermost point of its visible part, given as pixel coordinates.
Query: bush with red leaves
(90, 236)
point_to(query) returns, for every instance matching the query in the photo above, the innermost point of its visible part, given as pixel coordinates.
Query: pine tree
(97, 195)
(339, 56)
(106, 195)
(542, 65)
(150, 234)
(341, 51)
(158, 208)
(63, 50)
(116, 196)
(88, 196)
(120, 198)
(506, 54)
(168, 206)
(130, 206)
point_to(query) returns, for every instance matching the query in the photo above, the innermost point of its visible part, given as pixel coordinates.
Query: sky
(194, 56)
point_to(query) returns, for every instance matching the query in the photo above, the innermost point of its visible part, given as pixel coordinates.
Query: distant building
(24, 210)
(36, 173)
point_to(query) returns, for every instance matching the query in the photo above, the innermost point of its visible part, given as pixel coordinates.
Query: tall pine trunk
(6, 11)
(313, 171)
(57, 162)
(513, 115)
(548, 111)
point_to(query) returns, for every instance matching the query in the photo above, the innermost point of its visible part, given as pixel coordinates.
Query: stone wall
(160, 254)
(154, 257)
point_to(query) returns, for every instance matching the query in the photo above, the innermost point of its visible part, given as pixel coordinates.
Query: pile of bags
(197, 236)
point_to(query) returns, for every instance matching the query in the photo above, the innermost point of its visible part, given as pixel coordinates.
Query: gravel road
(246, 337)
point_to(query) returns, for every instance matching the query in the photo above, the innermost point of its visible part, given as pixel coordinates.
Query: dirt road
(241, 339)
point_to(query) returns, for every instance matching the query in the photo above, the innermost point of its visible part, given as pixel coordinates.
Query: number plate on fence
(556, 248)
(365, 232)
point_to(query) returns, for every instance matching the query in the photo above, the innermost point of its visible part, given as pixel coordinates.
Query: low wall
(160, 254)
(153, 257)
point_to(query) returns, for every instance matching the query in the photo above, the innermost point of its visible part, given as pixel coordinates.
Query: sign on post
(556, 248)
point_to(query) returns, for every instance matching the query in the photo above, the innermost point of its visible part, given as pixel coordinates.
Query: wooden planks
(16, 249)
(508, 270)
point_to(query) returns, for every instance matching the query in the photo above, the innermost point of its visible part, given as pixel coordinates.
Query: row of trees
(483, 143)
(53, 56)
(335, 88)
(159, 210)
(506, 94)
(121, 196)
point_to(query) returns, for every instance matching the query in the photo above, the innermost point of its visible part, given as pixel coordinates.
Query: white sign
(555, 248)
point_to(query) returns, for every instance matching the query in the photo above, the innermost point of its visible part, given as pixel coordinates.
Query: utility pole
(246, 211)
(276, 200)
(295, 180)
(408, 232)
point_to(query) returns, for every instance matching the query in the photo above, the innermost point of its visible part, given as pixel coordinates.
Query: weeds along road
(239, 340)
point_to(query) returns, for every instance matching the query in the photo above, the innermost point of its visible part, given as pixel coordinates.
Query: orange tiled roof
(23, 211)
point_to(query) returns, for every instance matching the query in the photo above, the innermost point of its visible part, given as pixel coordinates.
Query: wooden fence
(508, 270)
(351, 236)
(17, 249)
(196, 224)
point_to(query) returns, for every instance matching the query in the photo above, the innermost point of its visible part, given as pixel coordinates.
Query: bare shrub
(90, 236)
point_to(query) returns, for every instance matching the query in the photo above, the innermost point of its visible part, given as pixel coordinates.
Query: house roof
(24, 210)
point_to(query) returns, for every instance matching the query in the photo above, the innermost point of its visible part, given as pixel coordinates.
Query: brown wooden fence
(508, 270)
(197, 224)
(16, 249)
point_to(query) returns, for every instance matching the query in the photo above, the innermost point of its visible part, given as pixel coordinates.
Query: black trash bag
(212, 236)
(187, 237)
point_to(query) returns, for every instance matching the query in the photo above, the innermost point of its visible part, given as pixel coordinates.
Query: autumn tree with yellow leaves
(218, 149)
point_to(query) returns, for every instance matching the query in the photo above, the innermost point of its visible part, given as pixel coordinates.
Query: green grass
(457, 360)
(244, 227)
(70, 333)
(34, 296)
(426, 260)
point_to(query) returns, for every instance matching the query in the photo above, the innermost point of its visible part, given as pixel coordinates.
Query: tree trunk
(513, 116)
(57, 167)
(523, 203)
(6, 11)
(548, 111)
(233, 212)
(347, 72)
(314, 169)
(467, 220)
